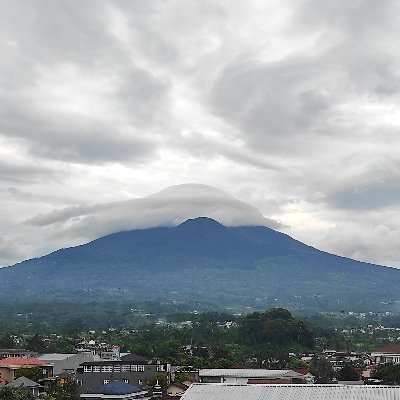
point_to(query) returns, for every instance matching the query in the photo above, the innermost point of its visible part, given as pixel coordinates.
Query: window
(106, 381)
(79, 382)
(126, 380)
(96, 368)
(140, 368)
(125, 368)
(160, 368)
(140, 382)
(106, 368)
(117, 368)
(87, 368)
(134, 368)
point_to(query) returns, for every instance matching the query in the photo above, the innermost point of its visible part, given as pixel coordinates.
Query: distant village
(103, 371)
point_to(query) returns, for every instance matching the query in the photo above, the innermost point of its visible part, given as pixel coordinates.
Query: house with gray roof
(247, 375)
(32, 386)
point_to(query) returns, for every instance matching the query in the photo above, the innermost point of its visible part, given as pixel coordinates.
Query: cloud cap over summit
(169, 207)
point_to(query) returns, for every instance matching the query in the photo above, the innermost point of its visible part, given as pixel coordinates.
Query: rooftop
(389, 348)
(249, 373)
(115, 388)
(19, 361)
(201, 391)
(133, 357)
(55, 356)
(23, 381)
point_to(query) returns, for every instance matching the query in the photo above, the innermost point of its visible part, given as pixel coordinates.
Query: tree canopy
(389, 374)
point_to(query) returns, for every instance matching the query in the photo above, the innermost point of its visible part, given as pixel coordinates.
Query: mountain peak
(200, 221)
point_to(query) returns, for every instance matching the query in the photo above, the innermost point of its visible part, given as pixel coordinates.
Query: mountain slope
(204, 262)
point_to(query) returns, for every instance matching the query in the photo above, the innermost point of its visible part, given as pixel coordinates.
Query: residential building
(255, 376)
(131, 369)
(32, 386)
(9, 366)
(199, 391)
(389, 353)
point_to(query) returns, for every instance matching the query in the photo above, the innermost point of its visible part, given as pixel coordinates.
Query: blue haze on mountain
(204, 263)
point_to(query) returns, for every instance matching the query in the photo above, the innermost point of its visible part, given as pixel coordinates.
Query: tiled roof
(115, 388)
(21, 361)
(303, 371)
(389, 348)
(249, 373)
(209, 391)
(179, 385)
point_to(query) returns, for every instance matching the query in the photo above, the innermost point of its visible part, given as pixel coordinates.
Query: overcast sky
(289, 107)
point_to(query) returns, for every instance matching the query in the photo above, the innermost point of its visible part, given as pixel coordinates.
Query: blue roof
(115, 387)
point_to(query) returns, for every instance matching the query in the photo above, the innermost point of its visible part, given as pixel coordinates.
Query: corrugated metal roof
(209, 391)
(55, 356)
(249, 373)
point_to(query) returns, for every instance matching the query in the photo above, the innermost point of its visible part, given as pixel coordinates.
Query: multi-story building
(130, 369)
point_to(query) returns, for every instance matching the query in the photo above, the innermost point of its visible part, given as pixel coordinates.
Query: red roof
(389, 348)
(302, 371)
(179, 385)
(21, 361)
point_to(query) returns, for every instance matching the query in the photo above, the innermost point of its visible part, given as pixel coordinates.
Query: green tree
(322, 369)
(68, 391)
(34, 374)
(278, 313)
(7, 393)
(348, 373)
(275, 326)
(389, 374)
(7, 342)
(36, 343)
(295, 363)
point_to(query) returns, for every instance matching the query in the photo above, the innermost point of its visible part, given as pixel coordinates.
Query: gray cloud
(272, 104)
(13, 171)
(290, 107)
(370, 191)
